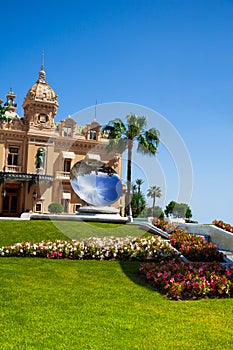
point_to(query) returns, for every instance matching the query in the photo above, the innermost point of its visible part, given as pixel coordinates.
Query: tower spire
(42, 65)
(42, 73)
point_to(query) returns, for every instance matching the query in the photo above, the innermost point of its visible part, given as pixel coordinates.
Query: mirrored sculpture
(95, 183)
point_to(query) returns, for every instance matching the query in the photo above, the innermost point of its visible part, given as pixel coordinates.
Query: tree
(138, 204)
(148, 212)
(55, 208)
(138, 201)
(139, 182)
(153, 192)
(178, 210)
(122, 137)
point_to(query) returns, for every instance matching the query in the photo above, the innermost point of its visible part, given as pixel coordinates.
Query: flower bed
(163, 225)
(223, 225)
(179, 280)
(193, 247)
(129, 248)
(204, 277)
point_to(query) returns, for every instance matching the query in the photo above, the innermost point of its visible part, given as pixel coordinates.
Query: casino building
(37, 154)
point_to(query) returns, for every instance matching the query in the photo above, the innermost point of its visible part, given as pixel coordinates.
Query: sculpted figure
(40, 158)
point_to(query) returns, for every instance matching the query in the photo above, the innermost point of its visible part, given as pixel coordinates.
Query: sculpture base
(98, 210)
(88, 213)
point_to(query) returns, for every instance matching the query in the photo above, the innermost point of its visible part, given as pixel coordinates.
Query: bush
(55, 208)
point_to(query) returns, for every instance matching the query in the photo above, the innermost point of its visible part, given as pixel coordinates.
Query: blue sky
(171, 56)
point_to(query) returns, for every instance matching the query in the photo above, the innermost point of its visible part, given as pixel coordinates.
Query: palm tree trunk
(129, 166)
(153, 206)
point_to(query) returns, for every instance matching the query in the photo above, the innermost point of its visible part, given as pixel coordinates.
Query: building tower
(40, 105)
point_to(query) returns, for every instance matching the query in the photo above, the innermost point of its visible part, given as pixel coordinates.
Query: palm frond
(153, 135)
(145, 146)
(154, 191)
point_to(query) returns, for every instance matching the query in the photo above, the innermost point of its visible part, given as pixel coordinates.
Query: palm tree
(154, 192)
(122, 136)
(139, 182)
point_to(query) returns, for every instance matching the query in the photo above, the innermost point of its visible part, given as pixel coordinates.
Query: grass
(62, 304)
(12, 231)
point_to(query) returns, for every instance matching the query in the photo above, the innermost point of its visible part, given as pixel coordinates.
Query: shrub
(55, 208)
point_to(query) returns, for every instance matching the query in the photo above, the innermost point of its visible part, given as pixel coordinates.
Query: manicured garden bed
(76, 304)
(204, 276)
(105, 248)
(163, 267)
(223, 225)
(182, 280)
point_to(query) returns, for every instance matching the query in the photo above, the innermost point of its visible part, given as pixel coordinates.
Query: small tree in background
(138, 201)
(154, 192)
(148, 212)
(178, 210)
(139, 183)
(55, 208)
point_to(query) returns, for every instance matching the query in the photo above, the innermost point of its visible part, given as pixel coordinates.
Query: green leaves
(180, 210)
(119, 134)
(122, 136)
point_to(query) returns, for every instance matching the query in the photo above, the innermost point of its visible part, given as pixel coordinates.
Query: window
(38, 207)
(13, 156)
(42, 118)
(67, 132)
(92, 135)
(67, 165)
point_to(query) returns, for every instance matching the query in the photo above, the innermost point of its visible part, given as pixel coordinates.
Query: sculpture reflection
(95, 183)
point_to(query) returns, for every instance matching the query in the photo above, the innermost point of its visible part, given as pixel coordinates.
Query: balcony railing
(12, 169)
(62, 175)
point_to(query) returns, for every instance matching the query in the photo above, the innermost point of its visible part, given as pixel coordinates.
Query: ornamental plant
(152, 248)
(163, 225)
(223, 225)
(193, 247)
(179, 281)
(55, 208)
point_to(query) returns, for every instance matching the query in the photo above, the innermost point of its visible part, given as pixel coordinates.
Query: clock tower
(40, 105)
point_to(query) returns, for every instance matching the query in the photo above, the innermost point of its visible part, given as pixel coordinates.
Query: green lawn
(18, 231)
(63, 304)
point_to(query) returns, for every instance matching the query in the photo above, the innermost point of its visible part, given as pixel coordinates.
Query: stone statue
(40, 158)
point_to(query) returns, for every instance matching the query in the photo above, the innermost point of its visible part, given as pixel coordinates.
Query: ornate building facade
(37, 154)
